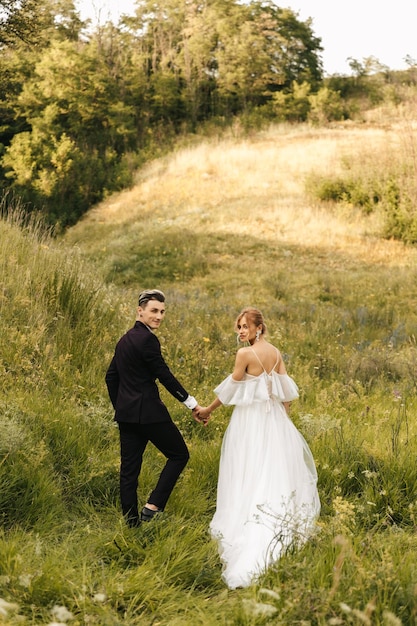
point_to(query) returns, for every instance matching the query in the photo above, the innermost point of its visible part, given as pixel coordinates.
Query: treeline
(82, 108)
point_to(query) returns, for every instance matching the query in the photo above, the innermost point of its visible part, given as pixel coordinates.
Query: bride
(267, 497)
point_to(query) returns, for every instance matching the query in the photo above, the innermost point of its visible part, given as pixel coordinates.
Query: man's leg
(132, 446)
(168, 439)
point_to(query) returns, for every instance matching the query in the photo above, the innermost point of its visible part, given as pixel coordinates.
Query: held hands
(201, 415)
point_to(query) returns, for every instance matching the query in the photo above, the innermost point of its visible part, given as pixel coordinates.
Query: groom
(140, 412)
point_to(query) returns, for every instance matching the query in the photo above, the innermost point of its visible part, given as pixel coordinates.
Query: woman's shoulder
(269, 348)
(243, 353)
(266, 346)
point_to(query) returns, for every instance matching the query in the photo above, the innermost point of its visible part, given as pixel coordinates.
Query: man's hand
(200, 415)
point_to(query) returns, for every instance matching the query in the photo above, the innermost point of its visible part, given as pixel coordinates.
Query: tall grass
(381, 182)
(340, 305)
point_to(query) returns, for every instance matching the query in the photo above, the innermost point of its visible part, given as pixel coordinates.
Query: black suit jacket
(131, 376)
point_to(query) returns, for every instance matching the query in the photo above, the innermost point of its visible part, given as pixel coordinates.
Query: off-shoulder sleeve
(284, 387)
(241, 392)
(256, 389)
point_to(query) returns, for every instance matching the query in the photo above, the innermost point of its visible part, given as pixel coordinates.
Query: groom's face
(152, 313)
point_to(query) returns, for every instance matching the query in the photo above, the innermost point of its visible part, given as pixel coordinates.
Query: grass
(217, 225)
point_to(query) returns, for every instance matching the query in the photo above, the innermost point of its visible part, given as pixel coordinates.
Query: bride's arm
(283, 370)
(205, 411)
(281, 365)
(241, 363)
(238, 372)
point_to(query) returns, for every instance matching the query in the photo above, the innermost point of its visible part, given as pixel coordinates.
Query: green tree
(263, 49)
(293, 105)
(19, 19)
(80, 129)
(47, 21)
(326, 105)
(85, 101)
(222, 56)
(196, 60)
(32, 21)
(155, 32)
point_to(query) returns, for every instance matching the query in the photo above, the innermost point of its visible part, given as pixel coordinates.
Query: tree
(263, 49)
(79, 131)
(222, 53)
(18, 20)
(196, 60)
(80, 101)
(31, 21)
(26, 31)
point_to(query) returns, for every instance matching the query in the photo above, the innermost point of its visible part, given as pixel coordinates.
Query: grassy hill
(218, 225)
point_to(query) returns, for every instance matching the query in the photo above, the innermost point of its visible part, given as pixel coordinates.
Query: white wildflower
(6, 607)
(258, 609)
(100, 597)
(25, 580)
(61, 613)
(390, 619)
(270, 593)
(368, 474)
(361, 617)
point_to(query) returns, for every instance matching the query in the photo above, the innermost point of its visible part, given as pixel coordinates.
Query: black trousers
(133, 440)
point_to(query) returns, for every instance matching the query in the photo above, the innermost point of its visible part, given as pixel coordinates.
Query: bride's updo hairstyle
(254, 316)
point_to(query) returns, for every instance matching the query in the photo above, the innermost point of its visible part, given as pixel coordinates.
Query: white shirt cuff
(190, 402)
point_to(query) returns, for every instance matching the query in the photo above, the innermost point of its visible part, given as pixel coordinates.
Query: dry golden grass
(256, 187)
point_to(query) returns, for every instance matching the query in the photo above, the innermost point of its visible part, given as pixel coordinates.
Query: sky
(357, 29)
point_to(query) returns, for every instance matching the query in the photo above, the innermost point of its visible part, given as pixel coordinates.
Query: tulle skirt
(267, 497)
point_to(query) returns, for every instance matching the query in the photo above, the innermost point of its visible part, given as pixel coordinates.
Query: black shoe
(133, 521)
(148, 514)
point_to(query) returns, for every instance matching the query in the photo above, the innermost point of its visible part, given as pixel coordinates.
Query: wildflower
(270, 593)
(61, 613)
(258, 609)
(369, 474)
(206, 339)
(25, 580)
(390, 619)
(361, 617)
(345, 513)
(396, 394)
(6, 607)
(100, 597)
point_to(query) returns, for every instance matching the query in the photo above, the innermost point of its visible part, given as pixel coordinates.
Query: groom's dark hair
(150, 294)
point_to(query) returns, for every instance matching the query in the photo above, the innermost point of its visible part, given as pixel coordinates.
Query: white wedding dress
(267, 497)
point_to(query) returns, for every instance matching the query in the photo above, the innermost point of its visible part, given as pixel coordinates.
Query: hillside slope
(252, 188)
(217, 225)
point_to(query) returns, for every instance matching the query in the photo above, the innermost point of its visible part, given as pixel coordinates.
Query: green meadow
(218, 224)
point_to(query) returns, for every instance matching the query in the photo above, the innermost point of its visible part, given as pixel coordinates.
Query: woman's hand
(203, 414)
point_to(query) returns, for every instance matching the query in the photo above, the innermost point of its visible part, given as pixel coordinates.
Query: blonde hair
(254, 316)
